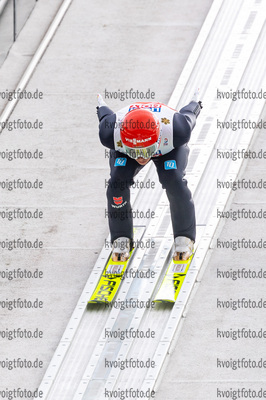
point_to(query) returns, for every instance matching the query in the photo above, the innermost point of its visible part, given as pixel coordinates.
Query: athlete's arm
(107, 120)
(184, 122)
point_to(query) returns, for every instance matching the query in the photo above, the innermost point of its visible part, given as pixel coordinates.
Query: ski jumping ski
(173, 281)
(112, 275)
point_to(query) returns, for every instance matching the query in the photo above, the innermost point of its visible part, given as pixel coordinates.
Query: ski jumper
(170, 160)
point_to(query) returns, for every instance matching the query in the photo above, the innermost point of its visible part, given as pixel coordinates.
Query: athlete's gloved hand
(102, 109)
(196, 98)
(101, 102)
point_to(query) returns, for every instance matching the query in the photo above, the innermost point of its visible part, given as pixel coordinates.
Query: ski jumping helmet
(140, 130)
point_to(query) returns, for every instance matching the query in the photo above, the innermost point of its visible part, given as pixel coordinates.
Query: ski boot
(183, 248)
(121, 249)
